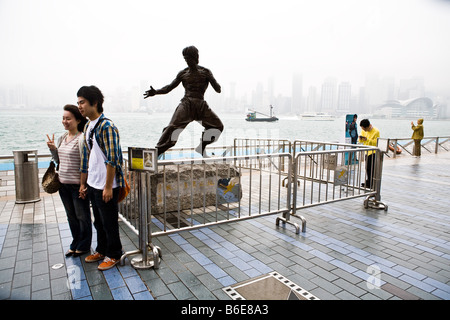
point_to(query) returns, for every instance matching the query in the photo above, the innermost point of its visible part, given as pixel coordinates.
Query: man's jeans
(106, 223)
(78, 216)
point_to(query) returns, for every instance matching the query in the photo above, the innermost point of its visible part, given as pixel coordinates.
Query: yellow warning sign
(142, 159)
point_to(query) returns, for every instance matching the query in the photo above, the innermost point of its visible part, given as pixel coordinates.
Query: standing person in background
(101, 176)
(417, 136)
(369, 137)
(352, 129)
(67, 154)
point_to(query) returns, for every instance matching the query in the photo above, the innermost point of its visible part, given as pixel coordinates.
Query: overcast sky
(66, 44)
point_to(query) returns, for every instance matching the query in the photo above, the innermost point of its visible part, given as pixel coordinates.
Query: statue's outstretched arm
(151, 92)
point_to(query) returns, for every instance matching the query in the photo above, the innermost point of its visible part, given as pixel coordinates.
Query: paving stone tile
(396, 291)
(180, 291)
(101, 292)
(38, 268)
(95, 277)
(5, 290)
(21, 279)
(40, 282)
(59, 288)
(144, 295)
(80, 290)
(121, 293)
(202, 293)
(188, 278)
(441, 294)
(21, 293)
(113, 278)
(44, 294)
(226, 281)
(157, 287)
(166, 274)
(135, 284)
(210, 282)
(215, 271)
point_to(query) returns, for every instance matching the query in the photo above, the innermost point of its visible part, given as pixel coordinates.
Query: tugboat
(251, 116)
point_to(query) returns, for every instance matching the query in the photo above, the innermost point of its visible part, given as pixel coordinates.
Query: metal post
(142, 262)
(287, 215)
(395, 148)
(437, 145)
(376, 203)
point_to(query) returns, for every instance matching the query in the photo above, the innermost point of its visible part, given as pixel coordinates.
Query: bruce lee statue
(192, 107)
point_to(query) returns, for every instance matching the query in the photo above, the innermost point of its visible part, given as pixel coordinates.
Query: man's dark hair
(93, 95)
(190, 52)
(364, 123)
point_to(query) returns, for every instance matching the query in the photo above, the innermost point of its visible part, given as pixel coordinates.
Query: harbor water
(25, 130)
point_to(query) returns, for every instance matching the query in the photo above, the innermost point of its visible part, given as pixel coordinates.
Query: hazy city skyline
(332, 95)
(54, 47)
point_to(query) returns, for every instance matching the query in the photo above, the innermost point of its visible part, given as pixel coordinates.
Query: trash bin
(26, 176)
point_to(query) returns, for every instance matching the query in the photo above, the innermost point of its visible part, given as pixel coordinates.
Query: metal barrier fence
(430, 144)
(191, 194)
(321, 177)
(188, 194)
(246, 146)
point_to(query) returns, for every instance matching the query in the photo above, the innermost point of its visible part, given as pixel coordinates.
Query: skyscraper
(344, 97)
(297, 94)
(328, 97)
(311, 102)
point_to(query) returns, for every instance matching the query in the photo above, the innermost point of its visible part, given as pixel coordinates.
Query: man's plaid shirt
(107, 137)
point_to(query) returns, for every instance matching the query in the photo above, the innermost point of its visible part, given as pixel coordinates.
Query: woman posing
(67, 153)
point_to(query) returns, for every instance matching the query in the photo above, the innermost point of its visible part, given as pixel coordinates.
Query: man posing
(369, 137)
(101, 176)
(192, 107)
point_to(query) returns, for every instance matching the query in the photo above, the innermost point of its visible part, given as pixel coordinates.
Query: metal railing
(247, 146)
(191, 194)
(321, 177)
(429, 144)
(261, 146)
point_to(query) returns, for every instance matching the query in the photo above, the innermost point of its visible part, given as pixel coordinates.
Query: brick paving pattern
(346, 253)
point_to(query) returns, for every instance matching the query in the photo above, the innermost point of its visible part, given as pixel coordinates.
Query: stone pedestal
(175, 184)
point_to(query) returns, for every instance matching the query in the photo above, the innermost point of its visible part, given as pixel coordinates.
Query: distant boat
(251, 116)
(317, 116)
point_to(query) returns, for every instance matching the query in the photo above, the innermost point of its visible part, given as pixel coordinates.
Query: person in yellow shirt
(369, 137)
(417, 136)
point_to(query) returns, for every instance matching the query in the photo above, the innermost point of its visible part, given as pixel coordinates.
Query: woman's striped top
(69, 161)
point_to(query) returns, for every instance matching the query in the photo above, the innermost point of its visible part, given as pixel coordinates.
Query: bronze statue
(195, 80)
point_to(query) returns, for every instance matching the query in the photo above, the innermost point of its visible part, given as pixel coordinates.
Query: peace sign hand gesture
(51, 142)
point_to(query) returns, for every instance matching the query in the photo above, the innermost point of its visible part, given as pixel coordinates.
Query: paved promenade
(346, 253)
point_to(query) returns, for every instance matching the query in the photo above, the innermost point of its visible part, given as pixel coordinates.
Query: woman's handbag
(123, 191)
(50, 180)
